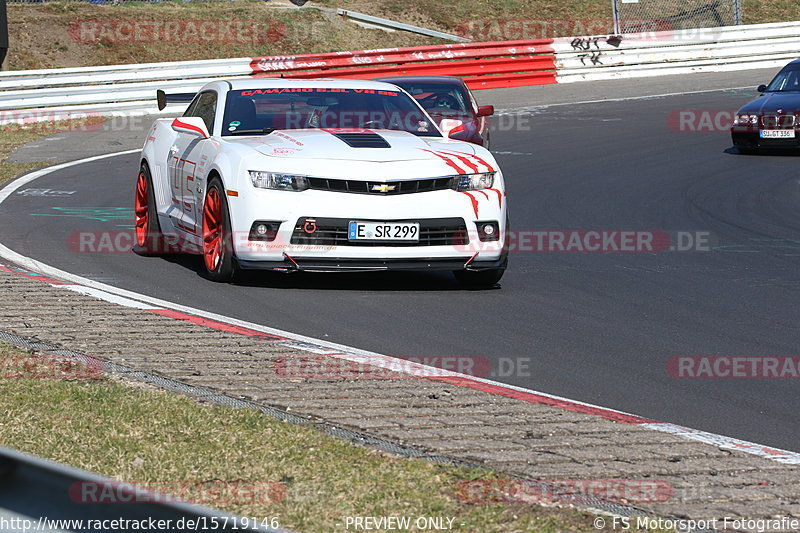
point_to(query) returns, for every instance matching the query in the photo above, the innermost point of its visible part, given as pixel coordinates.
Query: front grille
(333, 232)
(778, 121)
(362, 140)
(376, 187)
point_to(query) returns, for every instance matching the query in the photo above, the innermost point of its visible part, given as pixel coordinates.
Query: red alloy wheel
(141, 209)
(212, 229)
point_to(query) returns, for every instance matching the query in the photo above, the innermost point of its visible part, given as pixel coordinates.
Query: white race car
(318, 175)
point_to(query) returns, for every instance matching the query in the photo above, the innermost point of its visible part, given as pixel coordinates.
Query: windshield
(257, 111)
(786, 80)
(437, 98)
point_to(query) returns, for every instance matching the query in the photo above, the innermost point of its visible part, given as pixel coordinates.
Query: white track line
(140, 301)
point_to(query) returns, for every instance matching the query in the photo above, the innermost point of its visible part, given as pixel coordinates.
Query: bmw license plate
(383, 231)
(777, 134)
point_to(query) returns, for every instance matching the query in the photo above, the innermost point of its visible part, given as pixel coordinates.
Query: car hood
(334, 145)
(786, 103)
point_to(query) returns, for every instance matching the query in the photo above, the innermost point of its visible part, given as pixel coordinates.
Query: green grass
(447, 15)
(84, 34)
(13, 136)
(757, 11)
(138, 434)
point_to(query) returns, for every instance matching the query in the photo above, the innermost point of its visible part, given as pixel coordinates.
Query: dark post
(3, 32)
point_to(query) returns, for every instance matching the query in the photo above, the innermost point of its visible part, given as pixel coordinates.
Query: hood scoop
(362, 140)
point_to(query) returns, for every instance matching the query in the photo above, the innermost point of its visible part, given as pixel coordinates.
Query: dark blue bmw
(771, 120)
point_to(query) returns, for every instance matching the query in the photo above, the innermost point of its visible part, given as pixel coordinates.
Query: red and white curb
(30, 268)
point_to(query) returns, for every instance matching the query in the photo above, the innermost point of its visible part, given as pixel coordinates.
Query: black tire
(151, 242)
(224, 269)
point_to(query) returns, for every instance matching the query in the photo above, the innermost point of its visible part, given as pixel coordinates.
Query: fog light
(264, 230)
(488, 231)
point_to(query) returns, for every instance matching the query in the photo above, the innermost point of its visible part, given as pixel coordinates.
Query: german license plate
(777, 134)
(383, 231)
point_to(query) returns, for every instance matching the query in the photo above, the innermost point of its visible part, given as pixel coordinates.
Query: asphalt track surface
(596, 327)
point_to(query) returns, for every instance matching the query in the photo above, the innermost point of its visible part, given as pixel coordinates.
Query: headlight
(743, 120)
(473, 182)
(275, 180)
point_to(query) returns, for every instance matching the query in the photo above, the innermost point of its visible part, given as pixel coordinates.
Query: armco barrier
(33, 487)
(678, 52)
(127, 89)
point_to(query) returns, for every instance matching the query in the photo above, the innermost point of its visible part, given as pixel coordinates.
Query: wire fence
(632, 16)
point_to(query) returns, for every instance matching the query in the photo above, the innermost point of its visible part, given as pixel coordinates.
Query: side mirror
(451, 126)
(191, 125)
(485, 110)
(761, 88)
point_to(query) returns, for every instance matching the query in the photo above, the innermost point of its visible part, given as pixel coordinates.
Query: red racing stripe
(447, 160)
(482, 162)
(464, 160)
(213, 324)
(474, 202)
(544, 400)
(499, 196)
(180, 124)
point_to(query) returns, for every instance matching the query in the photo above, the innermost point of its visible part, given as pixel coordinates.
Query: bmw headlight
(745, 120)
(473, 182)
(278, 181)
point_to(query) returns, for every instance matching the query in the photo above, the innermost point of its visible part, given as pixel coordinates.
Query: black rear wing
(174, 98)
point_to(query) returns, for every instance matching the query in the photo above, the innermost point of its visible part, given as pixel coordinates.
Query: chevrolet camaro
(318, 175)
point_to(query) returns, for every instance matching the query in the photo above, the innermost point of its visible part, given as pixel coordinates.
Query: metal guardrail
(126, 89)
(386, 23)
(677, 52)
(44, 493)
